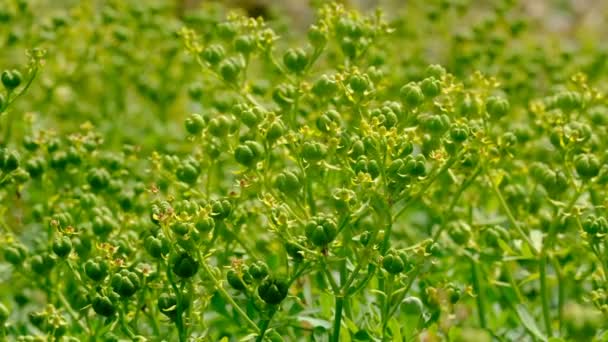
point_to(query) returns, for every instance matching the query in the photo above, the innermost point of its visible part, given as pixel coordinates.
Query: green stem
(265, 324)
(479, 298)
(335, 337)
(560, 291)
(544, 293)
(227, 296)
(510, 215)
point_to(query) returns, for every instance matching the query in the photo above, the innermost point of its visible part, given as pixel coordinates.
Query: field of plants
(423, 171)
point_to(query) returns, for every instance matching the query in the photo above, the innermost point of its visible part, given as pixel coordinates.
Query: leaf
(315, 322)
(528, 321)
(537, 239)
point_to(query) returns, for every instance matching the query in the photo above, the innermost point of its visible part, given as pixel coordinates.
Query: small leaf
(528, 321)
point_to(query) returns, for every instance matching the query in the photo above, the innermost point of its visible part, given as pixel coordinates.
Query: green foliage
(439, 173)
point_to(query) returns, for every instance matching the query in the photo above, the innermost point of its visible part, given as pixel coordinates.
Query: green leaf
(528, 321)
(315, 322)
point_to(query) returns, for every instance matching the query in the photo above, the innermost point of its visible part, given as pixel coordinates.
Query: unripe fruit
(11, 79)
(295, 60)
(273, 290)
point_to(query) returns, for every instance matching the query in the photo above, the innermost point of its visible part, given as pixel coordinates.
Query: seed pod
(392, 264)
(11, 79)
(412, 95)
(258, 270)
(497, 107)
(194, 124)
(184, 265)
(102, 305)
(96, 269)
(295, 60)
(125, 283)
(587, 165)
(430, 87)
(167, 304)
(273, 290)
(98, 179)
(412, 306)
(220, 209)
(321, 230)
(62, 246)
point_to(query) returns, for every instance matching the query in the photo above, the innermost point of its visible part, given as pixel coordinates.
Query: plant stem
(227, 296)
(479, 298)
(335, 337)
(544, 293)
(510, 216)
(266, 323)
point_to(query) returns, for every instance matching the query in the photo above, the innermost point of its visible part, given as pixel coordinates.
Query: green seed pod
(125, 283)
(249, 153)
(460, 232)
(459, 133)
(325, 87)
(187, 173)
(258, 270)
(251, 117)
(244, 44)
(412, 95)
(11, 79)
(98, 179)
(435, 70)
(219, 127)
(349, 47)
(435, 124)
(430, 87)
(204, 224)
(295, 60)
(157, 247)
(42, 264)
(62, 246)
(194, 124)
(29, 142)
(294, 251)
(220, 209)
(497, 107)
(359, 83)
(284, 95)
(96, 269)
(288, 182)
(195, 91)
(321, 230)
(392, 264)
(414, 166)
(275, 131)
(10, 162)
(15, 254)
(167, 304)
(184, 265)
(317, 36)
(59, 160)
(587, 165)
(273, 290)
(568, 100)
(213, 54)
(235, 280)
(103, 306)
(412, 306)
(230, 70)
(313, 151)
(594, 225)
(181, 228)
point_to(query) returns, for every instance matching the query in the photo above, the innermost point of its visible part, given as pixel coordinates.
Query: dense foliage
(213, 176)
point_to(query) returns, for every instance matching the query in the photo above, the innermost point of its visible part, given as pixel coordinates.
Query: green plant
(248, 183)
